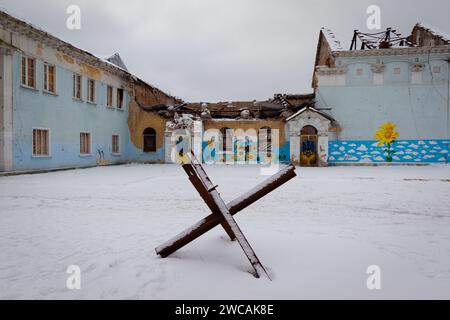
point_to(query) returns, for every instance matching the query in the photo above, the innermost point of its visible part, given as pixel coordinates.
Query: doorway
(308, 147)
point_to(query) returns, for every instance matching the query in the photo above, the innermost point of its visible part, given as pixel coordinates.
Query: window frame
(155, 135)
(110, 99)
(46, 78)
(25, 73)
(90, 144)
(118, 153)
(75, 86)
(49, 145)
(122, 100)
(90, 99)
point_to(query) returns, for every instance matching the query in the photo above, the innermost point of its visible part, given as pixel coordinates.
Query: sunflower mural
(386, 135)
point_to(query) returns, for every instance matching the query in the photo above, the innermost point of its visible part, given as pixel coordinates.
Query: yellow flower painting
(386, 135)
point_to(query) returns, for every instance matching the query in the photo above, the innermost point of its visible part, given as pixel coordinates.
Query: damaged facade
(64, 107)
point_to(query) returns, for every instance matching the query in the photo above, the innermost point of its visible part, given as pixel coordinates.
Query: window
(397, 71)
(149, 137)
(49, 78)
(115, 144)
(29, 72)
(436, 69)
(91, 90)
(77, 86)
(265, 140)
(226, 135)
(119, 98)
(359, 72)
(109, 96)
(41, 142)
(85, 143)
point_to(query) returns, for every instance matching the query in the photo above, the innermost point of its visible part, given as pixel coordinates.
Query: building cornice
(393, 51)
(327, 71)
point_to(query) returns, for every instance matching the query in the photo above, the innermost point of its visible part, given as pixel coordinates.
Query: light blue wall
(419, 110)
(66, 118)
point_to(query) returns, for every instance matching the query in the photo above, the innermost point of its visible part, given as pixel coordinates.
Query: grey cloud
(210, 50)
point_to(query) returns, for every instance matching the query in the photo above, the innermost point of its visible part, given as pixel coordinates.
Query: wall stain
(40, 49)
(90, 72)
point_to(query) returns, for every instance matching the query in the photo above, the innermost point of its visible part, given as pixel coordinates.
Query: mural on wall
(386, 135)
(246, 150)
(406, 151)
(308, 154)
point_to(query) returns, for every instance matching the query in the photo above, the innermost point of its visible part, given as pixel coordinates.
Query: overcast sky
(220, 50)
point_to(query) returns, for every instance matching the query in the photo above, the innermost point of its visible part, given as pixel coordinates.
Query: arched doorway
(308, 146)
(149, 140)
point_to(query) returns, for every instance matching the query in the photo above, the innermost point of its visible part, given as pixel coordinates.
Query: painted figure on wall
(308, 152)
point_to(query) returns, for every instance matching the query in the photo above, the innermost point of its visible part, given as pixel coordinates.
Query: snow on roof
(313, 110)
(114, 60)
(435, 31)
(335, 44)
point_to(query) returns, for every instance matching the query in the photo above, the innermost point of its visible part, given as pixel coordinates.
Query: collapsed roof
(281, 106)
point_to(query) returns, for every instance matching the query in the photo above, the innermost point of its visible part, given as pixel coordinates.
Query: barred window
(115, 144)
(91, 90)
(29, 72)
(77, 86)
(109, 96)
(85, 143)
(49, 78)
(41, 142)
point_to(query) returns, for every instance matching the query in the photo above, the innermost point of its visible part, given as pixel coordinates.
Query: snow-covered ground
(316, 235)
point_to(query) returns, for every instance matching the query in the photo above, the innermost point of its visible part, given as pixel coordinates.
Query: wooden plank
(219, 206)
(206, 196)
(235, 206)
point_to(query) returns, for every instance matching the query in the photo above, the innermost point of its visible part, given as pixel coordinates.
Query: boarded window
(41, 142)
(49, 78)
(149, 138)
(28, 72)
(91, 90)
(85, 143)
(77, 86)
(119, 98)
(115, 144)
(109, 96)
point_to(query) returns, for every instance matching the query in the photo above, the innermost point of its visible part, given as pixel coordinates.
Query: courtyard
(316, 235)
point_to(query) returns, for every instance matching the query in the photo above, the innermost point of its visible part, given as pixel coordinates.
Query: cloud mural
(408, 151)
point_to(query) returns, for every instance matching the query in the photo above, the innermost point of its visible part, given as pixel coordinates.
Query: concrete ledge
(39, 171)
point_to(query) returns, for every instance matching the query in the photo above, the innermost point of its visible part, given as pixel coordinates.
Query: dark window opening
(149, 137)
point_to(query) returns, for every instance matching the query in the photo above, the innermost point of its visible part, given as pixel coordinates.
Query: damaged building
(63, 107)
